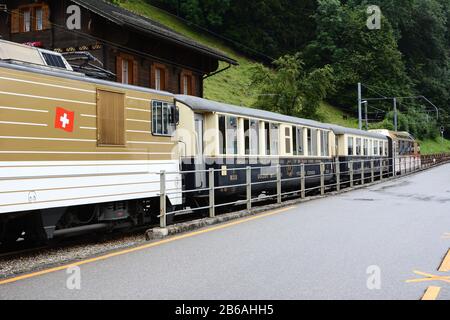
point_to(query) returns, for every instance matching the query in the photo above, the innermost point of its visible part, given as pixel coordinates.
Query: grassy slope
(233, 85)
(434, 146)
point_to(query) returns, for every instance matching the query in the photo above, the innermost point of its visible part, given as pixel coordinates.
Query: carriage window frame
(288, 139)
(350, 146)
(251, 136)
(222, 119)
(365, 146)
(166, 117)
(232, 135)
(325, 143)
(254, 137)
(274, 138)
(358, 146)
(298, 143)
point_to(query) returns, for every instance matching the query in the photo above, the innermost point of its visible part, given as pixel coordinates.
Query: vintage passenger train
(80, 154)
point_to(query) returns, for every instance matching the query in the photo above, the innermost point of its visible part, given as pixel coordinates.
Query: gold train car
(68, 141)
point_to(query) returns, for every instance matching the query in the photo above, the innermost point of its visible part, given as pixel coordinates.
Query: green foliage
(290, 89)
(415, 122)
(356, 53)
(208, 13)
(433, 146)
(259, 28)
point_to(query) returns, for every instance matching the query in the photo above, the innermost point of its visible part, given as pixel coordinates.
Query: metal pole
(162, 200)
(359, 106)
(395, 115)
(381, 168)
(351, 173)
(367, 116)
(372, 170)
(278, 183)
(322, 179)
(249, 188)
(394, 165)
(303, 182)
(212, 200)
(338, 175)
(363, 169)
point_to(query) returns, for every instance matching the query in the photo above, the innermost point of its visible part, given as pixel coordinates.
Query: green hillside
(233, 85)
(435, 146)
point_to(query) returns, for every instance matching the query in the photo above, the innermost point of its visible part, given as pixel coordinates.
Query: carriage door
(200, 177)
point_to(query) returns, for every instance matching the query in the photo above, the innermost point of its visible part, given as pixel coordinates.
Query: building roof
(202, 105)
(125, 18)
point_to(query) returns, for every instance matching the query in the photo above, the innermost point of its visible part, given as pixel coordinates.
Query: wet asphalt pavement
(363, 244)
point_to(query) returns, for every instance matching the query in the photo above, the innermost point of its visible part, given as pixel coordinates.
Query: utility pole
(359, 106)
(395, 115)
(366, 113)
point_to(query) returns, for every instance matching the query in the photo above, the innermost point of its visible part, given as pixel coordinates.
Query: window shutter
(152, 77)
(110, 118)
(166, 79)
(163, 79)
(135, 73)
(119, 69)
(193, 87)
(15, 21)
(46, 17)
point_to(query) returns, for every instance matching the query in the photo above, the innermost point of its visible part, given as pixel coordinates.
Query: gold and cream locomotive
(79, 154)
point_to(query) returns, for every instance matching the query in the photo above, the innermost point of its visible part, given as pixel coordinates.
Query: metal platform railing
(359, 172)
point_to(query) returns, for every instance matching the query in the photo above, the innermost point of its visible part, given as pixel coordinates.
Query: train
(79, 154)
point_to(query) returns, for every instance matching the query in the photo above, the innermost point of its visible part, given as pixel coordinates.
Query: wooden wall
(114, 41)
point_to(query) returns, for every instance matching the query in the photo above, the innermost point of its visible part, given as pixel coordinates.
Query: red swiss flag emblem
(64, 119)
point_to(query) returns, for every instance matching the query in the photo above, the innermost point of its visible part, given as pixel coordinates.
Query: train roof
(200, 104)
(395, 135)
(339, 130)
(71, 75)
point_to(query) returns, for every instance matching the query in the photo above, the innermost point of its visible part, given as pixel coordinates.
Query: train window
(274, 138)
(314, 151)
(247, 136)
(298, 140)
(267, 131)
(287, 133)
(324, 143)
(254, 137)
(366, 147)
(375, 148)
(294, 141)
(232, 143)
(350, 146)
(111, 118)
(309, 139)
(162, 118)
(223, 136)
(385, 149)
(358, 146)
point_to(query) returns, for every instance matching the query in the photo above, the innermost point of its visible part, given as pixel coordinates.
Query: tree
(290, 89)
(356, 53)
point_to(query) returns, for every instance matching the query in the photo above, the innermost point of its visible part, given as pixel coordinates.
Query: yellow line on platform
(445, 266)
(431, 293)
(142, 247)
(429, 277)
